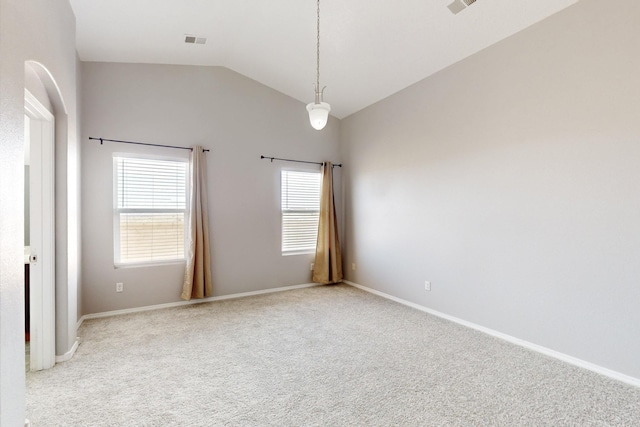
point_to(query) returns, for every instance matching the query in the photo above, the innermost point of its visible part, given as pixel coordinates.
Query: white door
(40, 133)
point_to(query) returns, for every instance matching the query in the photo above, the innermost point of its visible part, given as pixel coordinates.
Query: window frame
(291, 252)
(117, 261)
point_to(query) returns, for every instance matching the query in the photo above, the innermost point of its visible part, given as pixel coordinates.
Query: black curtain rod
(142, 143)
(297, 161)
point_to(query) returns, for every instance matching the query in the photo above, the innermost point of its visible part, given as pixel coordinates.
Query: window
(300, 211)
(150, 207)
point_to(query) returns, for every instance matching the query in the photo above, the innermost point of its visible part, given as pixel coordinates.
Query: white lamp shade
(318, 114)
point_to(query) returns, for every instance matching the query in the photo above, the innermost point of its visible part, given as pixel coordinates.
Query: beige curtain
(197, 275)
(328, 263)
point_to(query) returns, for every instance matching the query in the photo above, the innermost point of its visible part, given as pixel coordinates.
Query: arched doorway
(44, 110)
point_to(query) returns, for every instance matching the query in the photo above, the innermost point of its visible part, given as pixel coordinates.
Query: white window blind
(150, 207)
(300, 211)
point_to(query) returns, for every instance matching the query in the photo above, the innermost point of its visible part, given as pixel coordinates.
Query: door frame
(42, 233)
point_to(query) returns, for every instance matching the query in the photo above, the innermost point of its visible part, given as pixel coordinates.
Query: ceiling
(369, 49)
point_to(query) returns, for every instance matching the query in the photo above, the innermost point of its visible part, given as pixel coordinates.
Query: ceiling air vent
(459, 5)
(194, 40)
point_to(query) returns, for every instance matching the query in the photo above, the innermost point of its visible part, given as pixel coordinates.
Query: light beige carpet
(323, 356)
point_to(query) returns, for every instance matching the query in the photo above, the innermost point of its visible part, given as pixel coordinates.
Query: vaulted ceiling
(369, 49)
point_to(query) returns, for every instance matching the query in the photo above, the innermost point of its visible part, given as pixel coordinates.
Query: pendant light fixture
(318, 110)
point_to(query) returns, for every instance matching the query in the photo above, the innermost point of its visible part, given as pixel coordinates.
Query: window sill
(299, 253)
(149, 264)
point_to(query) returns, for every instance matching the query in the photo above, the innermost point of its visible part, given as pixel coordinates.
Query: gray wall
(42, 31)
(236, 118)
(511, 180)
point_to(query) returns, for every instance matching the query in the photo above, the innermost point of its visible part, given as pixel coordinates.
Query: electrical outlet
(119, 287)
(353, 266)
(311, 268)
(427, 286)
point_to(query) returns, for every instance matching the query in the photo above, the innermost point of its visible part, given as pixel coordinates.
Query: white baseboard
(69, 354)
(537, 348)
(191, 302)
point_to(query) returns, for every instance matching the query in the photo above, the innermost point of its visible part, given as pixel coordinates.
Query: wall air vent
(194, 39)
(459, 5)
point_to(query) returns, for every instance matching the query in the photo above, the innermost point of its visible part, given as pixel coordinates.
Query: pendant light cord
(318, 50)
